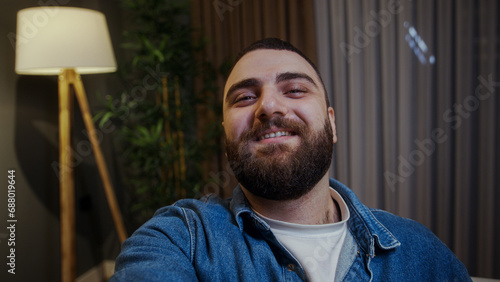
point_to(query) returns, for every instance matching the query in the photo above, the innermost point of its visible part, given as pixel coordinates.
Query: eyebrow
(294, 75)
(253, 82)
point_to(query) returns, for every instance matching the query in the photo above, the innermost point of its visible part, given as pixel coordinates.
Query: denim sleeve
(160, 250)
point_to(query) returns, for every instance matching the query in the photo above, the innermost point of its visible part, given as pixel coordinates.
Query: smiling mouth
(275, 134)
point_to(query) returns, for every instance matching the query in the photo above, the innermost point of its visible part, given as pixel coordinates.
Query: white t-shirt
(316, 247)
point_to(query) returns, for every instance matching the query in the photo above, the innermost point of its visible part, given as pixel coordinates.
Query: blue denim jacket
(224, 240)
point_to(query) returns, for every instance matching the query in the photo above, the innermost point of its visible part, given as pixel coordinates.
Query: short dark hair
(278, 44)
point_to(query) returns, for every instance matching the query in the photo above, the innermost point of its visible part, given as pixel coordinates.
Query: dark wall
(29, 145)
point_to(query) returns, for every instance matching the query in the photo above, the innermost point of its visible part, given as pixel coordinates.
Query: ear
(331, 118)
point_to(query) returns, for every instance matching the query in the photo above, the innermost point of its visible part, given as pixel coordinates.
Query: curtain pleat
(373, 116)
(424, 14)
(444, 90)
(415, 92)
(465, 133)
(355, 105)
(487, 52)
(406, 116)
(339, 87)
(388, 103)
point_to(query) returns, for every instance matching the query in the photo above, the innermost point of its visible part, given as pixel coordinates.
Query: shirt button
(290, 267)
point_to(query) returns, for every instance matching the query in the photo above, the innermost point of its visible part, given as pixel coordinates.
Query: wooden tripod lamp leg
(66, 184)
(101, 164)
(66, 179)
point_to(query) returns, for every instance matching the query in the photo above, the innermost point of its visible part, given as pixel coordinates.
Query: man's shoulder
(210, 202)
(388, 218)
(380, 221)
(404, 229)
(421, 248)
(207, 207)
(413, 236)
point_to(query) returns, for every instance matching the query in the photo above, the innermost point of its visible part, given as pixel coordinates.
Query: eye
(244, 99)
(295, 92)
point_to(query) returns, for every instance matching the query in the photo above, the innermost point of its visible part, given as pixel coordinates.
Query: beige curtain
(415, 87)
(230, 25)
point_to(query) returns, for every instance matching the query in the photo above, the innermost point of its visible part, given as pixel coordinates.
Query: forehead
(265, 64)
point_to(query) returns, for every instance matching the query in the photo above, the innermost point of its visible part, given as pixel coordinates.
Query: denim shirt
(224, 240)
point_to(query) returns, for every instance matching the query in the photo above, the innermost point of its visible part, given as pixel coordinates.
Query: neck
(315, 207)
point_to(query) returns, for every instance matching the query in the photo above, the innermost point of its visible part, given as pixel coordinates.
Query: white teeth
(275, 134)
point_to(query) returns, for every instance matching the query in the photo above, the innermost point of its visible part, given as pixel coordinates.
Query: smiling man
(286, 221)
(279, 135)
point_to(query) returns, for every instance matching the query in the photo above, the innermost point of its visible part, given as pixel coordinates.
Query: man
(286, 220)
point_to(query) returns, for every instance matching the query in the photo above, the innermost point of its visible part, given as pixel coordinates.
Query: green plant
(155, 115)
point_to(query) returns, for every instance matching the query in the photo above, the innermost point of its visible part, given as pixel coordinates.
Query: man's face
(279, 132)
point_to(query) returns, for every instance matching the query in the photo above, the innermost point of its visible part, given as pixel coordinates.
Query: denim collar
(365, 228)
(241, 209)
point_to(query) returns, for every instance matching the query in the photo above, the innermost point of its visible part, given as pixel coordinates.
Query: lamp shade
(50, 39)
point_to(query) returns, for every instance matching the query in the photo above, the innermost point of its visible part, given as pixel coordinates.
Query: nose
(270, 103)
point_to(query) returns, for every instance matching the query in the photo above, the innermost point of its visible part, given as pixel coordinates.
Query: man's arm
(160, 250)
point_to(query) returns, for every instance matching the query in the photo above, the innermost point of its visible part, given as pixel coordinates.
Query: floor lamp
(67, 42)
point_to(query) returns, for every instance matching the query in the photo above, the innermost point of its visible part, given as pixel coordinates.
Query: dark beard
(287, 176)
